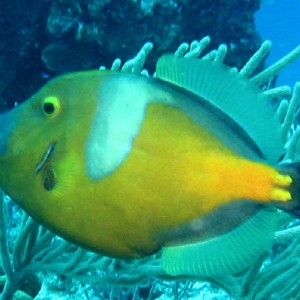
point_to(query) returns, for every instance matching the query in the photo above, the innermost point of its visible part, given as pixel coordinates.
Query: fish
(185, 164)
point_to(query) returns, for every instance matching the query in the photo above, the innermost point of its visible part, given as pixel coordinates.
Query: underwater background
(278, 21)
(42, 39)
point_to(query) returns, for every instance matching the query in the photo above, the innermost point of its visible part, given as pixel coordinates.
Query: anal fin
(228, 253)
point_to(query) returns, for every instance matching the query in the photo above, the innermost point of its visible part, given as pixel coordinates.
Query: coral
(72, 24)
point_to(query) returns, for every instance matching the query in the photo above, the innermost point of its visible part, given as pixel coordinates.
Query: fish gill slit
(45, 158)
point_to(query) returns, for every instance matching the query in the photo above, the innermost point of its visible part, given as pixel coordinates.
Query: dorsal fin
(230, 92)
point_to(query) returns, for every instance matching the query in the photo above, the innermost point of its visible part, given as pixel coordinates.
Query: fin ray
(231, 93)
(217, 256)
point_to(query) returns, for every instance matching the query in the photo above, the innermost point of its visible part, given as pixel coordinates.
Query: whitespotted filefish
(126, 165)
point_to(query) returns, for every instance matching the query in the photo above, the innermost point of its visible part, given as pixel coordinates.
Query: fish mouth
(45, 158)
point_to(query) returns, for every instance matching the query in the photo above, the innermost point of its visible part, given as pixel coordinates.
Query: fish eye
(51, 106)
(49, 179)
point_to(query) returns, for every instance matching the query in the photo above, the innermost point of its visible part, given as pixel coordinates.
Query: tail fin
(292, 206)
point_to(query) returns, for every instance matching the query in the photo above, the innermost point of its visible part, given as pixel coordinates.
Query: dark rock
(40, 38)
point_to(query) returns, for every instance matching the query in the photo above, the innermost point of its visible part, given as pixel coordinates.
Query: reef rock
(40, 39)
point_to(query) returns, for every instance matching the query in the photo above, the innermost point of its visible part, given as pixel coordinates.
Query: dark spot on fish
(49, 179)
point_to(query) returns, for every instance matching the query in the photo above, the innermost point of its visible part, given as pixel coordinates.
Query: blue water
(279, 21)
